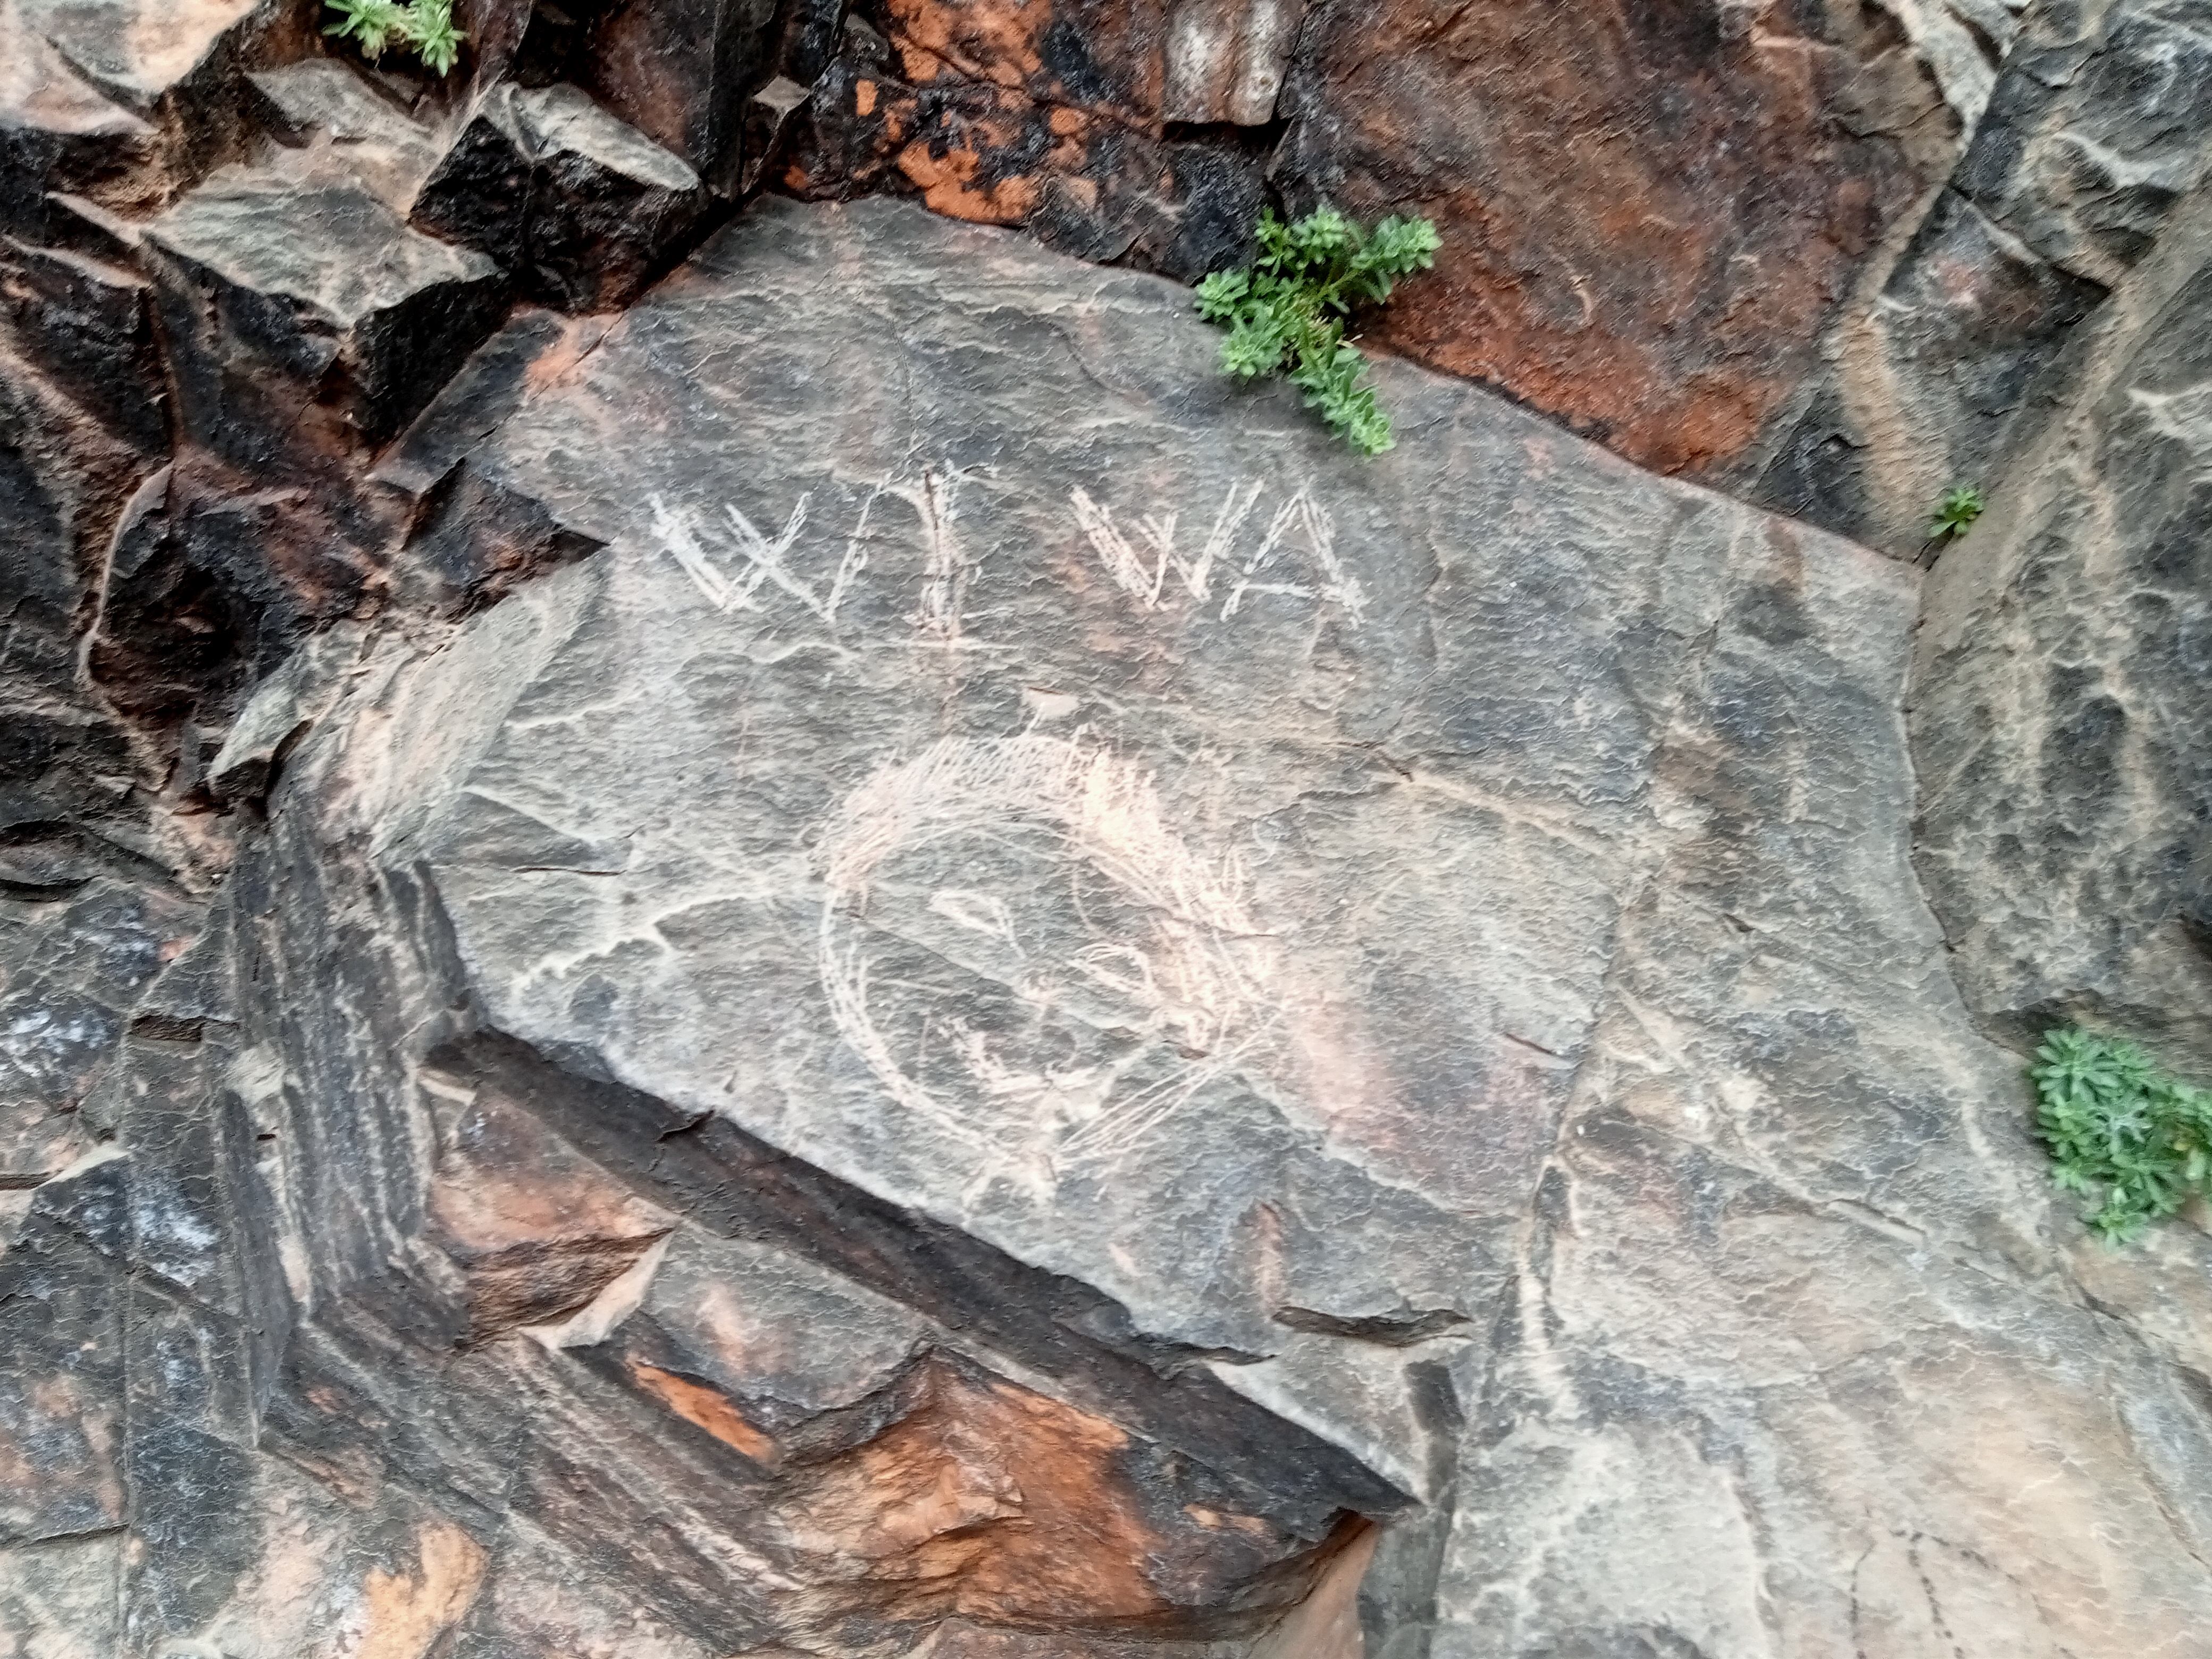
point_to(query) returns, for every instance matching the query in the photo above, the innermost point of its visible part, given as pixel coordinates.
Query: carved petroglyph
(1126, 566)
(1129, 970)
(1270, 569)
(695, 542)
(680, 532)
(1102, 971)
(1295, 557)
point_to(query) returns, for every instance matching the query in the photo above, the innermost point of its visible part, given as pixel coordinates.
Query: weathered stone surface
(2097, 130)
(1725, 1419)
(903, 977)
(769, 114)
(88, 324)
(124, 103)
(1009, 1062)
(301, 325)
(350, 124)
(1056, 119)
(298, 302)
(1651, 218)
(2065, 691)
(679, 72)
(77, 948)
(1225, 59)
(1650, 212)
(65, 480)
(580, 208)
(1955, 361)
(210, 581)
(282, 708)
(1094, 184)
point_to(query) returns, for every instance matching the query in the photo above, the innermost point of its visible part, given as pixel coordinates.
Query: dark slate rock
(2097, 127)
(170, 629)
(65, 478)
(61, 1370)
(533, 345)
(360, 129)
(770, 114)
(278, 714)
(74, 957)
(122, 102)
(583, 208)
(212, 583)
(89, 325)
(283, 296)
(679, 72)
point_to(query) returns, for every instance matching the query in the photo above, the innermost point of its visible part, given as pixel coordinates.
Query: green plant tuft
(1961, 505)
(1289, 310)
(2134, 1140)
(424, 26)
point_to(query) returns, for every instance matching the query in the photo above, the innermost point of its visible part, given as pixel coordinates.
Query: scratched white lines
(1296, 557)
(1188, 978)
(1292, 553)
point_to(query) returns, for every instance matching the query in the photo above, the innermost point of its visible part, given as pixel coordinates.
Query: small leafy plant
(2134, 1140)
(1961, 505)
(1291, 307)
(424, 26)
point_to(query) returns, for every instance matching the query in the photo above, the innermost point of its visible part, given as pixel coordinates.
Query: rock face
(1038, 1014)
(1654, 213)
(124, 104)
(2060, 732)
(1652, 209)
(1965, 349)
(743, 927)
(580, 206)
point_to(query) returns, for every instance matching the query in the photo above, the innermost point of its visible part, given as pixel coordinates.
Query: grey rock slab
(283, 287)
(74, 958)
(120, 101)
(1955, 360)
(1007, 767)
(2063, 687)
(62, 1374)
(346, 122)
(338, 252)
(278, 714)
(796, 1344)
(2098, 131)
(57, 1596)
(582, 207)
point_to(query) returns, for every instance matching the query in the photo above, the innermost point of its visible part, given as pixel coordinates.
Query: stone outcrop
(1965, 347)
(742, 927)
(1656, 211)
(2061, 724)
(579, 207)
(987, 1033)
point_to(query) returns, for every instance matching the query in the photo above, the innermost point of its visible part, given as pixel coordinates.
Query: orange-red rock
(1649, 210)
